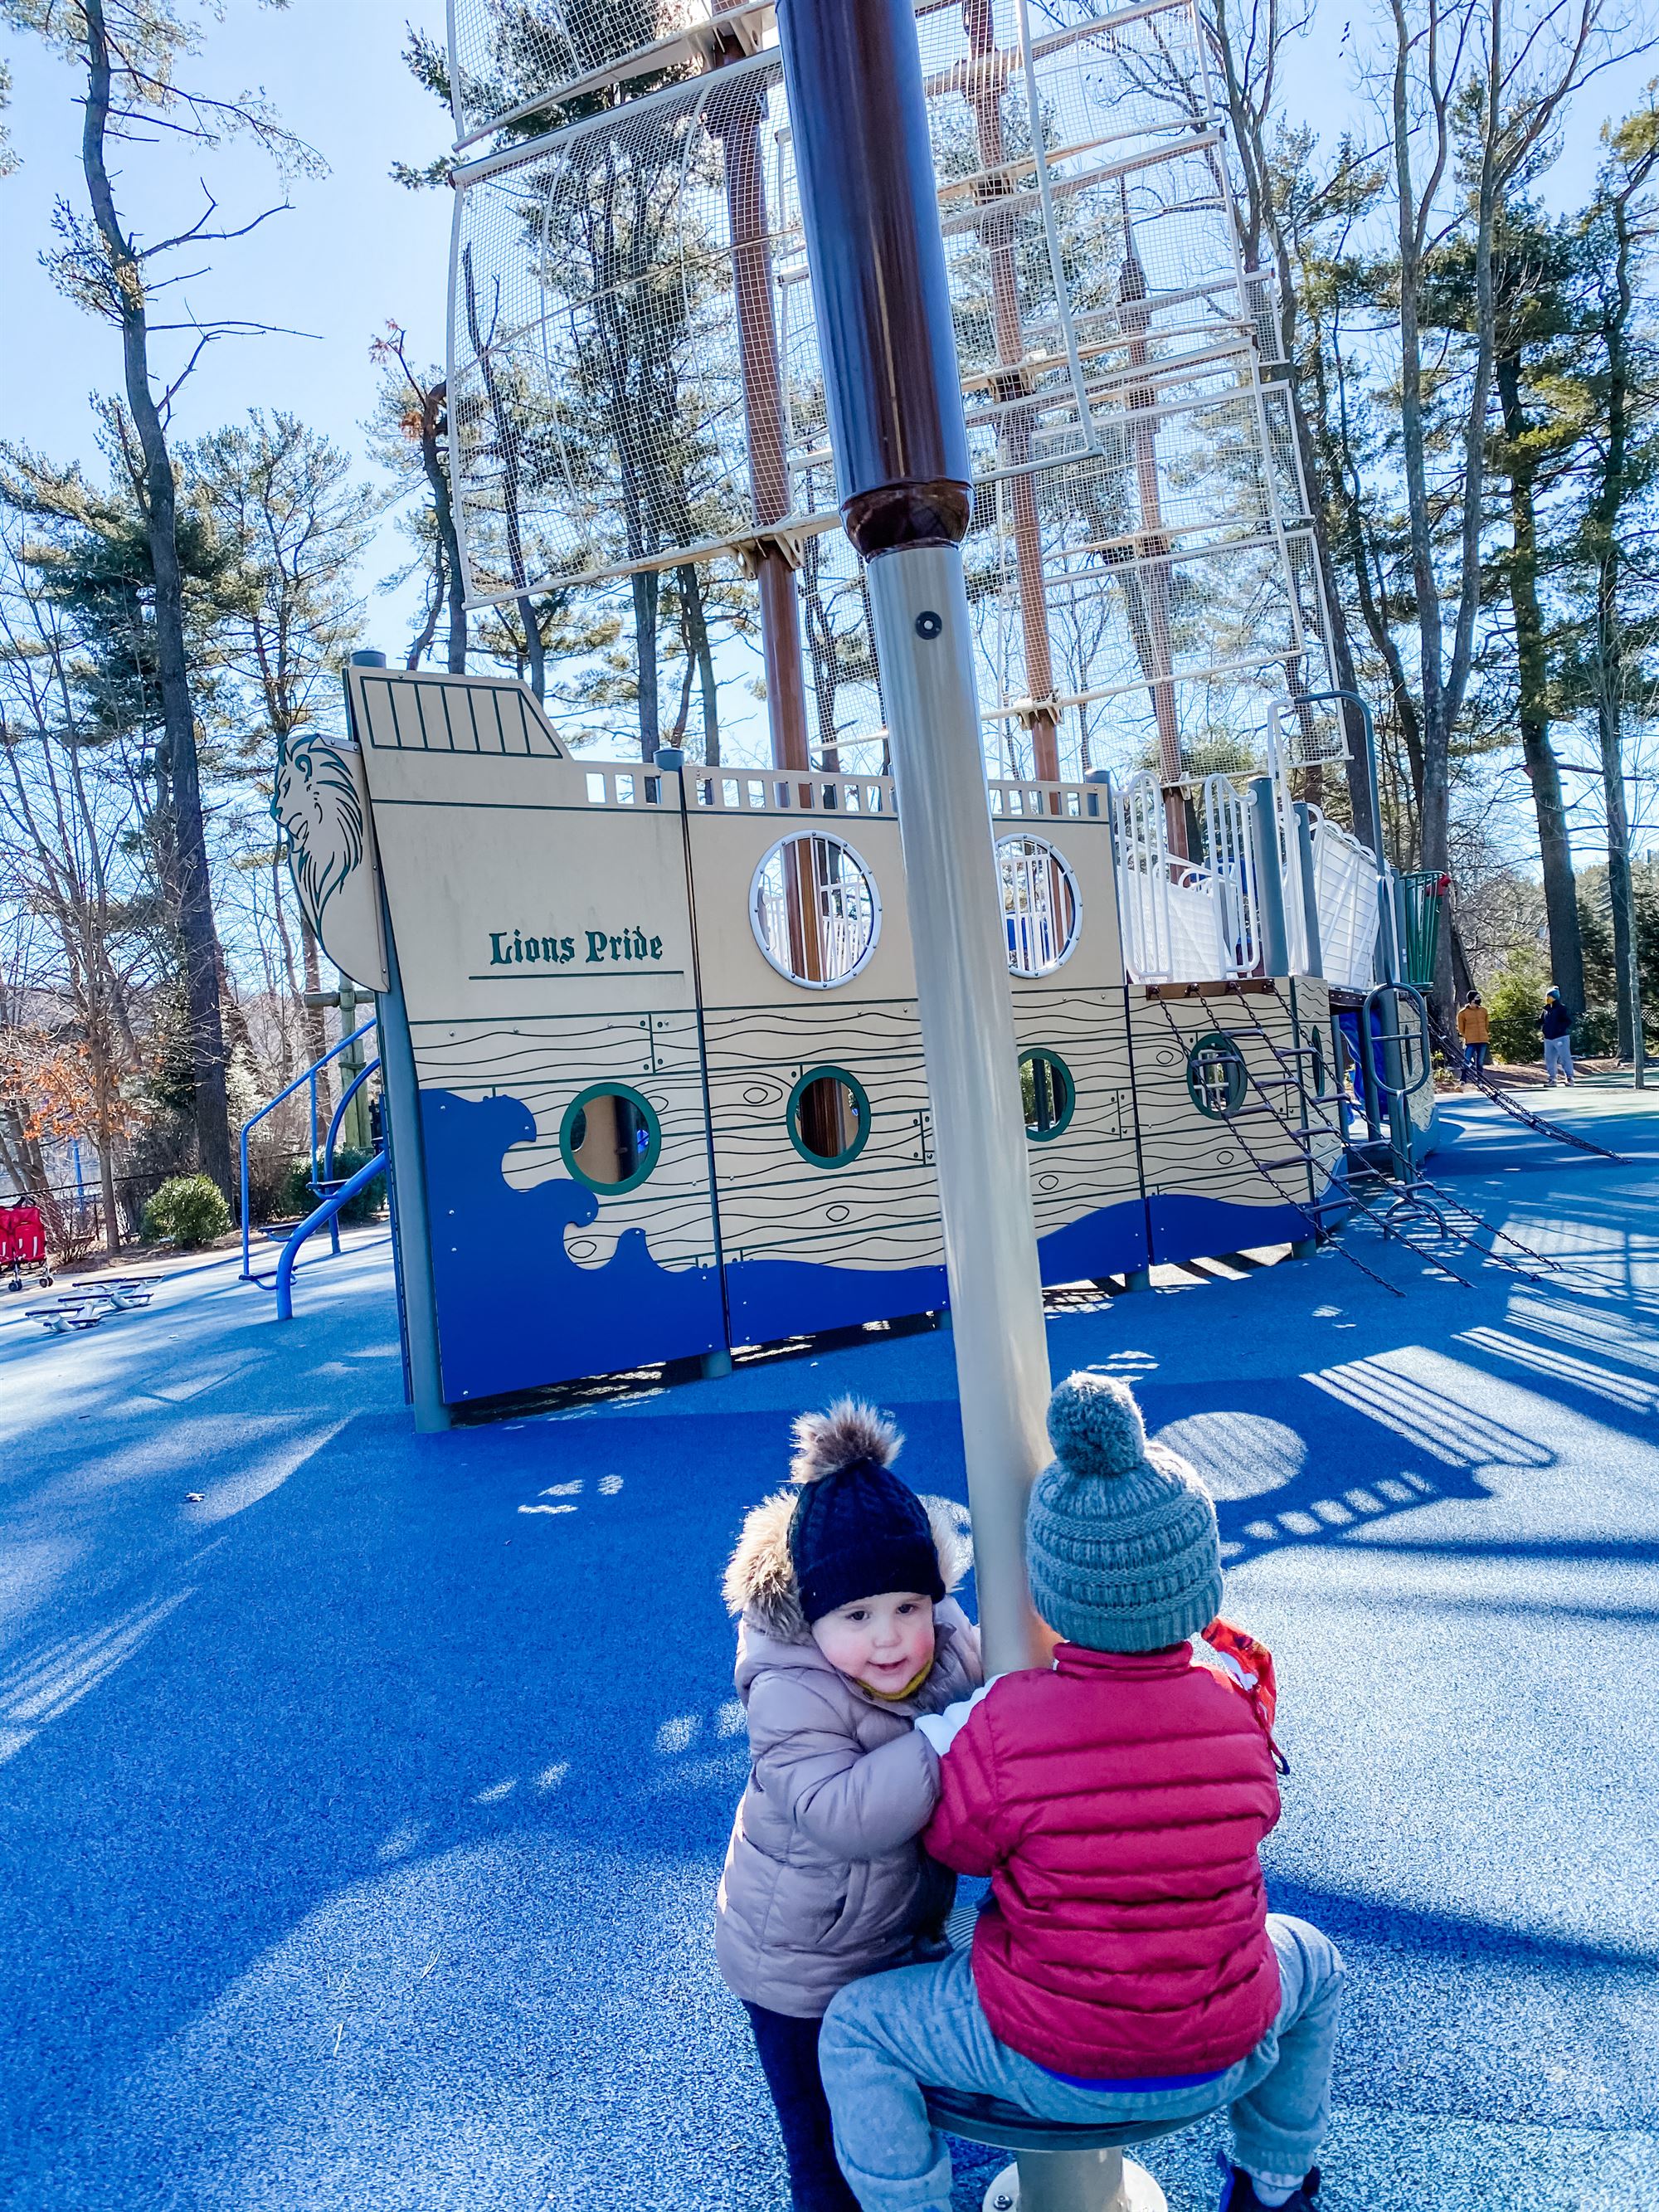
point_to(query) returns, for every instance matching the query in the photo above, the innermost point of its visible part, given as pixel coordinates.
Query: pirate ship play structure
(650, 1033)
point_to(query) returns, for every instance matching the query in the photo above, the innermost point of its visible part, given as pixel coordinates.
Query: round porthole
(829, 1117)
(1041, 909)
(1047, 1095)
(611, 1139)
(1217, 1080)
(814, 910)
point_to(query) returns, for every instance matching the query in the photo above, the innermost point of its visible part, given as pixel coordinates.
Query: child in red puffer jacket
(1127, 1968)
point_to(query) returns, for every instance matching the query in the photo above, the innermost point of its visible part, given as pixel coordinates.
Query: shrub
(1515, 1002)
(269, 1161)
(186, 1211)
(298, 1198)
(294, 1196)
(1596, 1033)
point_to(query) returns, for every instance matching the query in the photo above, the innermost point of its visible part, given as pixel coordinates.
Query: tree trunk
(1554, 843)
(644, 582)
(316, 1028)
(535, 651)
(1366, 827)
(509, 480)
(1607, 509)
(421, 644)
(434, 404)
(193, 888)
(20, 1153)
(1462, 974)
(1322, 422)
(102, 1076)
(1444, 677)
(696, 635)
(1619, 877)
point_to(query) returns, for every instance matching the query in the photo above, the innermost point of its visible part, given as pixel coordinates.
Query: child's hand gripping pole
(942, 1729)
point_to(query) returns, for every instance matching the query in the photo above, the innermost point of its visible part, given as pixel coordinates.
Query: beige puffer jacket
(824, 1877)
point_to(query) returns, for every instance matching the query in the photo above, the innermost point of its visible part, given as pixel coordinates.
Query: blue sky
(355, 250)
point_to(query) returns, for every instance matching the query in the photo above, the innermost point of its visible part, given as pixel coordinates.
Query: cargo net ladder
(1291, 1136)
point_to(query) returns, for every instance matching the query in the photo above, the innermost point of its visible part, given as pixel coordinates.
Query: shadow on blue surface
(360, 1825)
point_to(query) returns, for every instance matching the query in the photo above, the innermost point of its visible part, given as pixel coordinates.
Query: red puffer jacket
(1117, 1802)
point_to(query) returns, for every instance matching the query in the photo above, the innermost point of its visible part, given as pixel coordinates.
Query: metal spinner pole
(858, 120)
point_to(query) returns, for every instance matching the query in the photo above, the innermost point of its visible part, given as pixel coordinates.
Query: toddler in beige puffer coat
(848, 1632)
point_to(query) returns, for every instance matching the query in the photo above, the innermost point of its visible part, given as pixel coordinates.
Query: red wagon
(23, 1244)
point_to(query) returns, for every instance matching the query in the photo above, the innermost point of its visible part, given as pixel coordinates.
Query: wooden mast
(985, 75)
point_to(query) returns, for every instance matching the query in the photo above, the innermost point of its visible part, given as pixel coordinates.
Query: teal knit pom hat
(1121, 1538)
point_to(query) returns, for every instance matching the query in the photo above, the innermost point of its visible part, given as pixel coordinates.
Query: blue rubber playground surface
(359, 1823)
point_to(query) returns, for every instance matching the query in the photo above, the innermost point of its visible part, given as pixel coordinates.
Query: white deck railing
(1344, 891)
(1183, 921)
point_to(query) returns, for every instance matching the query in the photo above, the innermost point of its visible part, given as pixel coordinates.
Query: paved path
(358, 1823)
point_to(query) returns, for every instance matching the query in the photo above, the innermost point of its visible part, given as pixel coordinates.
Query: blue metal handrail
(346, 1097)
(309, 1076)
(320, 1182)
(326, 1212)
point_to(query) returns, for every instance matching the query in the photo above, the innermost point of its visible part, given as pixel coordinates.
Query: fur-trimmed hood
(760, 1577)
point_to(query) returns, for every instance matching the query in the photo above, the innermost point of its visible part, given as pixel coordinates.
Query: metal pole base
(1074, 2181)
(713, 1364)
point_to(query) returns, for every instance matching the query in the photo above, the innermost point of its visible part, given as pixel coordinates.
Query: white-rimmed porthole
(814, 910)
(1042, 912)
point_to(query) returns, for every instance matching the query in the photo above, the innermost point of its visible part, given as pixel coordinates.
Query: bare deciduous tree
(130, 53)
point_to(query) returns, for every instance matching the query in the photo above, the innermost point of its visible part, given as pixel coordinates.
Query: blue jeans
(884, 2036)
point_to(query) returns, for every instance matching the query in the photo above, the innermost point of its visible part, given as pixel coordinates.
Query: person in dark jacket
(1556, 1023)
(1127, 1968)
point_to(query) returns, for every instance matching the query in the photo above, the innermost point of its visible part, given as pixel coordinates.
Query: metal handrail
(309, 1076)
(326, 1212)
(346, 1097)
(1391, 1079)
(320, 1182)
(1399, 1088)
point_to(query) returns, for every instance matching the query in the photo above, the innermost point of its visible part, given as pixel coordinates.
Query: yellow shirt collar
(898, 1697)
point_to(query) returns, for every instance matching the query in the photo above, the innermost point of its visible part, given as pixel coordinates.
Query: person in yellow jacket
(1474, 1027)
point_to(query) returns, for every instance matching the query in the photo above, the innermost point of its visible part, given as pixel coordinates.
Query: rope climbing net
(635, 390)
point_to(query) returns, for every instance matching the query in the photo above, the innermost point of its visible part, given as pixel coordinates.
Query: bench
(1057, 2167)
(122, 1293)
(57, 1321)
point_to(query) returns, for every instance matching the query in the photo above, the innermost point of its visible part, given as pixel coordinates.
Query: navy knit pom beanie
(856, 1530)
(1122, 1544)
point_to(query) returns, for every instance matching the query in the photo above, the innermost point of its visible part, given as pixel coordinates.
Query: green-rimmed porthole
(1047, 1095)
(610, 1138)
(1217, 1080)
(829, 1117)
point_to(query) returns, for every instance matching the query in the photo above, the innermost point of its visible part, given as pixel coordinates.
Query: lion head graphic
(316, 804)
